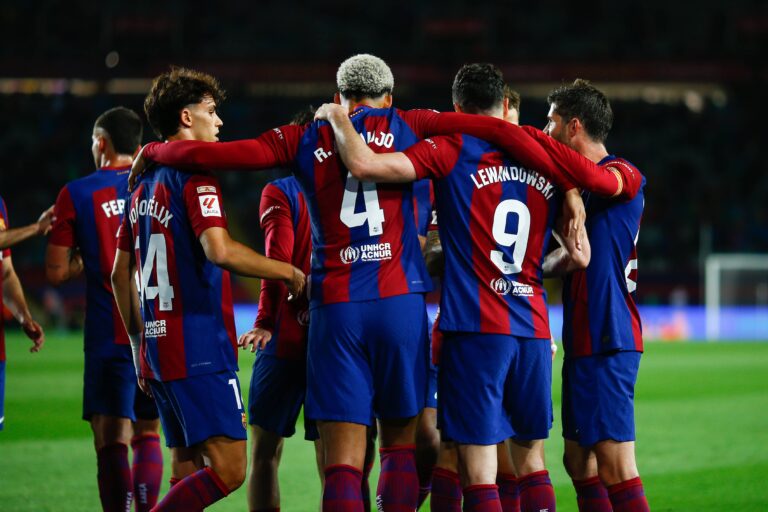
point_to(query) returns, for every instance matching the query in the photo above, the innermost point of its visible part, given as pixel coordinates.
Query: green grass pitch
(702, 422)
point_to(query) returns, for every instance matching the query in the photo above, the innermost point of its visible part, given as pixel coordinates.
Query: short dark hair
(174, 90)
(478, 87)
(587, 103)
(124, 128)
(513, 97)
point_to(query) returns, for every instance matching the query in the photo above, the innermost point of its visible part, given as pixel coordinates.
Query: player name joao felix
(153, 209)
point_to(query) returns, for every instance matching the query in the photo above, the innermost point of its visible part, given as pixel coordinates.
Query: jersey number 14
(157, 260)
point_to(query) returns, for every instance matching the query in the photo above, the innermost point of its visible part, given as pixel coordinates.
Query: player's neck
(115, 162)
(593, 151)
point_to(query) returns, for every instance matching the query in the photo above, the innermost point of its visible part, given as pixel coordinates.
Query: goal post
(732, 282)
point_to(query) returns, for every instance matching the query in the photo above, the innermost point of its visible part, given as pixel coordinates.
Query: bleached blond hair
(364, 76)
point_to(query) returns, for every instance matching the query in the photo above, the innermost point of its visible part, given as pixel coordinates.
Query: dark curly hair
(586, 103)
(478, 88)
(513, 96)
(174, 90)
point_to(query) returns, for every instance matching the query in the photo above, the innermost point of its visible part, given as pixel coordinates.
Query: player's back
(495, 219)
(363, 234)
(281, 200)
(186, 300)
(89, 211)
(600, 313)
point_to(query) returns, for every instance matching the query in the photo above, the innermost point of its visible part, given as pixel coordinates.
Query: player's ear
(505, 108)
(574, 126)
(457, 108)
(387, 100)
(185, 118)
(337, 98)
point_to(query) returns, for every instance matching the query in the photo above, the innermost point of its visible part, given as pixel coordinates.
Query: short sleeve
(631, 178)
(435, 157)
(202, 198)
(63, 230)
(419, 120)
(125, 235)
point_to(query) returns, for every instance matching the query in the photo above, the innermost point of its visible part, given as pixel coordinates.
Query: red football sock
(509, 494)
(482, 498)
(398, 489)
(536, 492)
(365, 487)
(592, 496)
(194, 493)
(628, 496)
(446, 491)
(342, 491)
(114, 476)
(147, 470)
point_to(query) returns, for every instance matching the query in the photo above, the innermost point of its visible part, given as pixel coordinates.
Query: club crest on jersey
(365, 253)
(209, 205)
(505, 287)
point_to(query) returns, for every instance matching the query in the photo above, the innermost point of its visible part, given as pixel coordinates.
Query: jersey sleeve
(435, 157)
(275, 148)
(4, 224)
(420, 121)
(63, 230)
(613, 179)
(124, 234)
(202, 198)
(507, 136)
(276, 221)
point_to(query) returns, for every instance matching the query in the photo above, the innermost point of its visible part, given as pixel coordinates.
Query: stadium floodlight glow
(747, 286)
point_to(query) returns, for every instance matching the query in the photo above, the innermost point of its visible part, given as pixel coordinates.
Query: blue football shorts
(277, 391)
(367, 359)
(598, 397)
(197, 408)
(493, 387)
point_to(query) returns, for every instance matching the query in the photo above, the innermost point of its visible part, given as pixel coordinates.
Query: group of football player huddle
(377, 196)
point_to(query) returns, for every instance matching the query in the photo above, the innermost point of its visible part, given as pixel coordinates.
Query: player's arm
(13, 294)
(573, 254)
(277, 224)
(11, 237)
(227, 253)
(274, 148)
(615, 180)
(360, 160)
(62, 258)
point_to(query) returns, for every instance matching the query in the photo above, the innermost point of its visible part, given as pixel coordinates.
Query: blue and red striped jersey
(284, 218)
(4, 253)
(88, 214)
(186, 301)
(600, 313)
(423, 200)
(364, 243)
(495, 219)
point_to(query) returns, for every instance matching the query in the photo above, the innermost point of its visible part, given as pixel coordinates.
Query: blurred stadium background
(687, 82)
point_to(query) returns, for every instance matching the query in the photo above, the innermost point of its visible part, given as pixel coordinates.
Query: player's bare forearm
(433, 254)
(362, 162)
(122, 288)
(13, 293)
(11, 237)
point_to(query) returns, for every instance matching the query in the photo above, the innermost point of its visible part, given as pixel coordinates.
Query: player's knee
(428, 440)
(232, 473)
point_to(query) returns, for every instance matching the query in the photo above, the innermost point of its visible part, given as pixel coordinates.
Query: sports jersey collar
(606, 159)
(115, 169)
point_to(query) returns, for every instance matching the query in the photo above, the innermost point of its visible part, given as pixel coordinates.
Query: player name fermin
(153, 209)
(499, 173)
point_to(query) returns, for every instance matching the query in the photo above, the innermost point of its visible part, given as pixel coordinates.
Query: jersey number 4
(157, 260)
(373, 213)
(506, 239)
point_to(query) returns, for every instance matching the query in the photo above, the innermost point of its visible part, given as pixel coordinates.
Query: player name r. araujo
(497, 174)
(153, 209)
(380, 139)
